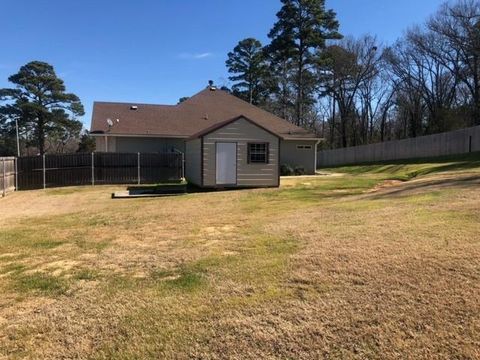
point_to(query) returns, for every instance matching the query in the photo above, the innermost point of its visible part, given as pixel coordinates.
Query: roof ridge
(258, 108)
(187, 101)
(132, 103)
(200, 111)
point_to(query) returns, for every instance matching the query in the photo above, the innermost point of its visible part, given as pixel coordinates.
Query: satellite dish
(109, 122)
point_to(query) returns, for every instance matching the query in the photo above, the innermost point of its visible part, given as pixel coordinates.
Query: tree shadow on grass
(467, 165)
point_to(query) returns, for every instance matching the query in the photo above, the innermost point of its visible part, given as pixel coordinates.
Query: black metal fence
(36, 172)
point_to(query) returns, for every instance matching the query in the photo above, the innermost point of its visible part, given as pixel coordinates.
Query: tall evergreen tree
(248, 67)
(298, 36)
(7, 133)
(40, 96)
(87, 143)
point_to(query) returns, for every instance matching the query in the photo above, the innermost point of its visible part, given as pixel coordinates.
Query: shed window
(258, 153)
(304, 147)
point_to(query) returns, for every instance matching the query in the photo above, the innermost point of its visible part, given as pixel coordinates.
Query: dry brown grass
(322, 268)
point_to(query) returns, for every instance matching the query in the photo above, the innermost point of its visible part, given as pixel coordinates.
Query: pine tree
(248, 67)
(298, 37)
(87, 143)
(40, 96)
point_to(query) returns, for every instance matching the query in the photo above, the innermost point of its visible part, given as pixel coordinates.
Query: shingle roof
(203, 110)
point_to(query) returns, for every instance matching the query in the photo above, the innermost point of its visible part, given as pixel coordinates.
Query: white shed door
(226, 163)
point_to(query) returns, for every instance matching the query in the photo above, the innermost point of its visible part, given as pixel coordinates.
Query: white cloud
(196, 56)
(203, 55)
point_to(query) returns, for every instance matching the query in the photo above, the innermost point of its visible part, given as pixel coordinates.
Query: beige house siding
(193, 151)
(242, 132)
(291, 155)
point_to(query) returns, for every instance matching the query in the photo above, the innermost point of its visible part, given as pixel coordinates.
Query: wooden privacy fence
(7, 175)
(448, 143)
(37, 172)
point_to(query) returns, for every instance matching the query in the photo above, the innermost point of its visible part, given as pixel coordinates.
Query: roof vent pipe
(211, 86)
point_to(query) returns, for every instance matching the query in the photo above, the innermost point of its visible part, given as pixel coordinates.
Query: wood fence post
(44, 173)
(93, 169)
(138, 168)
(4, 177)
(16, 174)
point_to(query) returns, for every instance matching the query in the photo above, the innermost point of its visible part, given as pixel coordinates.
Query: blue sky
(156, 51)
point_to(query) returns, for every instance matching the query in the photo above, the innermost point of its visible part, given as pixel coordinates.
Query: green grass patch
(308, 193)
(40, 283)
(189, 277)
(85, 244)
(13, 268)
(46, 244)
(425, 198)
(117, 283)
(188, 280)
(407, 169)
(98, 220)
(66, 190)
(28, 237)
(86, 274)
(11, 257)
(181, 297)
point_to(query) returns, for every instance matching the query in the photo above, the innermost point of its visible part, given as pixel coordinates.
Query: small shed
(235, 153)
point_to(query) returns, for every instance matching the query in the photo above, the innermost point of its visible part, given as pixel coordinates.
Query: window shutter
(248, 153)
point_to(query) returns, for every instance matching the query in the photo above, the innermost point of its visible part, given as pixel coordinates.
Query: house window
(304, 147)
(258, 153)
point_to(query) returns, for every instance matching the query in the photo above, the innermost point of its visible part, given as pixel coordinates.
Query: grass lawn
(355, 264)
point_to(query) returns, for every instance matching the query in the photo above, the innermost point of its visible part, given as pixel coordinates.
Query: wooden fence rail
(449, 143)
(37, 172)
(7, 175)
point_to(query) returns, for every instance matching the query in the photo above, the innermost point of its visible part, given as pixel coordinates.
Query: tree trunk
(250, 93)
(476, 92)
(382, 125)
(299, 106)
(344, 130)
(332, 128)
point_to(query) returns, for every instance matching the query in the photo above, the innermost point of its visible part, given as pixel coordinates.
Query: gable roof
(202, 111)
(225, 123)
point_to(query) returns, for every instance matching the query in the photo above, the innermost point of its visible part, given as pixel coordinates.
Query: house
(227, 142)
